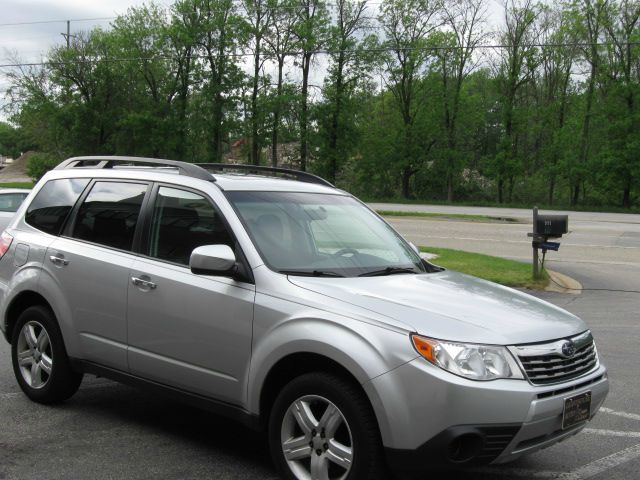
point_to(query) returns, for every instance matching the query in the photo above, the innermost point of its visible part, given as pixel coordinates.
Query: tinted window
(51, 207)
(181, 222)
(9, 202)
(109, 214)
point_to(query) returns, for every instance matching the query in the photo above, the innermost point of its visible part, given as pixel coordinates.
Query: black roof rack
(183, 168)
(296, 174)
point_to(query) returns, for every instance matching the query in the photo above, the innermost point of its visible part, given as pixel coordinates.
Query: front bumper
(424, 412)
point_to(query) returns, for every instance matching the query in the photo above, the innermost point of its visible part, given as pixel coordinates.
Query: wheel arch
(22, 301)
(294, 365)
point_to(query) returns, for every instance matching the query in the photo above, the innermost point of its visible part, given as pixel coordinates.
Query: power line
(264, 8)
(316, 52)
(38, 22)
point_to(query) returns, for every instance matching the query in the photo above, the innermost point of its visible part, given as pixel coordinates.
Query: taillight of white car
(5, 243)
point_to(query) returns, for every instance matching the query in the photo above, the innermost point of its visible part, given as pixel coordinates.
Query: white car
(10, 201)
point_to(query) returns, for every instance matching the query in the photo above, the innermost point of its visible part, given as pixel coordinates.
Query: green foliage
(407, 106)
(40, 163)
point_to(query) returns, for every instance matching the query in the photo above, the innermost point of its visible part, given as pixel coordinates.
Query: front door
(189, 331)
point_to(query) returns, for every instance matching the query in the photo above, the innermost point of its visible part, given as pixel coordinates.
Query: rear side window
(109, 214)
(53, 203)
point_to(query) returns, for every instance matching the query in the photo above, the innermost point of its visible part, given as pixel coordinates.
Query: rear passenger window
(51, 206)
(109, 214)
(182, 221)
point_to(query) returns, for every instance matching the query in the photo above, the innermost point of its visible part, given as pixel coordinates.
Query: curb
(561, 283)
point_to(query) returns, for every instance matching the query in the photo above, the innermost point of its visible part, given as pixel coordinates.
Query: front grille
(546, 364)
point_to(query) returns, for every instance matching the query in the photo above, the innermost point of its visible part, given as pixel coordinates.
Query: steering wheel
(344, 251)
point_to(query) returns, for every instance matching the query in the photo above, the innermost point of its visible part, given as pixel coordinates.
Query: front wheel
(322, 428)
(40, 362)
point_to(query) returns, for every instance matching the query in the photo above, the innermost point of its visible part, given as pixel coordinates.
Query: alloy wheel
(35, 358)
(316, 440)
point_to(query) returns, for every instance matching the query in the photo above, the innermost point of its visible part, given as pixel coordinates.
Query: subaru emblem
(568, 349)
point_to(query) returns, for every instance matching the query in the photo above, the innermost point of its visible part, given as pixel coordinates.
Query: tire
(322, 421)
(40, 361)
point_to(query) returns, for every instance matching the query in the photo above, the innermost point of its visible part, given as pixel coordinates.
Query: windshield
(322, 235)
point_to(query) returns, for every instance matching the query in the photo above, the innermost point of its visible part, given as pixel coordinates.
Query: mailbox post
(546, 227)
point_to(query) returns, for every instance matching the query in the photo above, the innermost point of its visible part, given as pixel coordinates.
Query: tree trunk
(276, 116)
(407, 173)
(255, 142)
(304, 115)
(626, 195)
(335, 120)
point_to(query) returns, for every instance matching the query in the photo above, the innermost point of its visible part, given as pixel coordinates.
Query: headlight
(477, 362)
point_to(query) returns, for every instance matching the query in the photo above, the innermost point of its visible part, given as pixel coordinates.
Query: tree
(589, 16)
(623, 78)
(219, 31)
(281, 41)
(310, 31)
(556, 66)
(407, 26)
(348, 68)
(518, 62)
(465, 19)
(258, 14)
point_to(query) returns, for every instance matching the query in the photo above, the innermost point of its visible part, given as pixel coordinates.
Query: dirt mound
(16, 171)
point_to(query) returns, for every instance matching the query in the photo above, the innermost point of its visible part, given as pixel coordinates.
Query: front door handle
(59, 260)
(143, 283)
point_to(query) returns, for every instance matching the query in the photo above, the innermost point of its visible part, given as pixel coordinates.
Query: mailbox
(544, 228)
(551, 226)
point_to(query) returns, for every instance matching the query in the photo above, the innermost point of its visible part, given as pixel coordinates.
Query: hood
(452, 306)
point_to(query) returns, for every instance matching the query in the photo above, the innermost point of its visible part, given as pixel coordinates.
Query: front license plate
(576, 410)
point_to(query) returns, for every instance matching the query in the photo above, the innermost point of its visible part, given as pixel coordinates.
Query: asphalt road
(110, 431)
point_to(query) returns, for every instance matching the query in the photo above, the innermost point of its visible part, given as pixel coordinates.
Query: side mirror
(213, 260)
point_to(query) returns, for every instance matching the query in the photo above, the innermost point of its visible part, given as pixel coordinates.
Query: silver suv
(289, 305)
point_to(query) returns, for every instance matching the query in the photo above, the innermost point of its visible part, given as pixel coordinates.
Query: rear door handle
(143, 283)
(59, 260)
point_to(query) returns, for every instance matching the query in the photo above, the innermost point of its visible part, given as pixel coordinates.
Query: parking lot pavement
(110, 431)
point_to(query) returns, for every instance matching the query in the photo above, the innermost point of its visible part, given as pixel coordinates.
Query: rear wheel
(40, 362)
(322, 428)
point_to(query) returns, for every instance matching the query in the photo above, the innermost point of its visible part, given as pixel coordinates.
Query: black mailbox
(551, 225)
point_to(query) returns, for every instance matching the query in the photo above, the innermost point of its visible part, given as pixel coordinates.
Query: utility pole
(68, 35)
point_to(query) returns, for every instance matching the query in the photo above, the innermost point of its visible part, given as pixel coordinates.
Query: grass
(499, 270)
(17, 185)
(450, 216)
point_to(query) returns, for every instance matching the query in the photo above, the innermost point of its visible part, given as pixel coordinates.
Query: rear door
(189, 331)
(90, 262)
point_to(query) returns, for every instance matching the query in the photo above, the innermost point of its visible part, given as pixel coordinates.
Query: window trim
(146, 224)
(67, 229)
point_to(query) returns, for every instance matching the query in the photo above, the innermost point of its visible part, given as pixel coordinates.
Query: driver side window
(182, 221)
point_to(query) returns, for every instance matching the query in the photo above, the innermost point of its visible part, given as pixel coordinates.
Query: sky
(30, 42)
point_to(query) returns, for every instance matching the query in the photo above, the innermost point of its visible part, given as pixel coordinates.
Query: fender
(344, 340)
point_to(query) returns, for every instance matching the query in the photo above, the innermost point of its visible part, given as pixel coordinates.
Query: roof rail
(297, 174)
(183, 168)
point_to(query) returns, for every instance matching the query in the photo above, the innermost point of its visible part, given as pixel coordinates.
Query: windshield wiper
(313, 273)
(388, 271)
